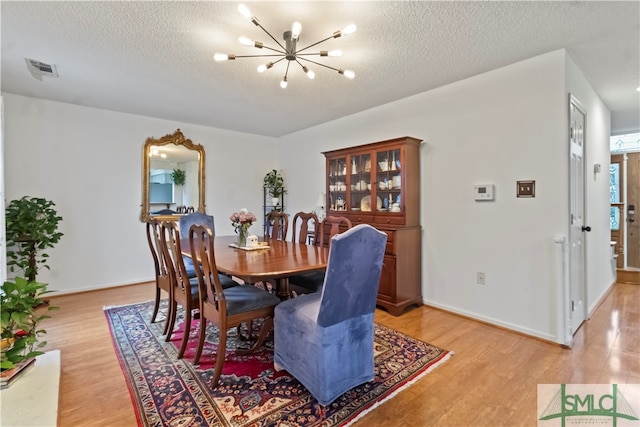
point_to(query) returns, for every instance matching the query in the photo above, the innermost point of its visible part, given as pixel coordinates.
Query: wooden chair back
(277, 225)
(182, 292)
(334, 224)
(305, 219)
(160, 266)
(210, 288)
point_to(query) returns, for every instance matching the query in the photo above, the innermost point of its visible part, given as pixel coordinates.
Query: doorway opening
(624, 179)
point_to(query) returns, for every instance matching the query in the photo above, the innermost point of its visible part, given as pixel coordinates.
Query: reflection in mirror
(164, 194)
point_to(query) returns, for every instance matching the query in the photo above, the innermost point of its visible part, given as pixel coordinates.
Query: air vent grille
(39, 69)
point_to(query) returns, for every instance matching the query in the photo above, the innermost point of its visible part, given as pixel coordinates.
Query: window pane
(625, 143)
(614, 182)
(614, 218)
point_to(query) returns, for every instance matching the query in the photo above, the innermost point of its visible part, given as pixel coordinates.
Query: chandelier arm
(322, 65)
(258, 56)
(275, 50)
(314, 44)
(301, 66)
(269, 34)
(287, 70)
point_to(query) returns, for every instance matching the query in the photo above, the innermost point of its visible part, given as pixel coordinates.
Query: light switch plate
(526, 189)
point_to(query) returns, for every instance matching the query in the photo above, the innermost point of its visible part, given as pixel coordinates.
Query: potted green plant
(31, 228)
(274, 182)
(21, 336)
(179, 176)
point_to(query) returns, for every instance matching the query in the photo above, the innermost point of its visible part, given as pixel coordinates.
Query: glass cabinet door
(337, 191)
(360, 182)
(389, 181)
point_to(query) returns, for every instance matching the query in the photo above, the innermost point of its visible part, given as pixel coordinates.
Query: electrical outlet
(480, 278)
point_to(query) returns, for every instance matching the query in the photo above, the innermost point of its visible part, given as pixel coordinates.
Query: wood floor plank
(490, 381)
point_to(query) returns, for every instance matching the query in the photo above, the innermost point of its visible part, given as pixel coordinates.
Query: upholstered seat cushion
(193, 281)
(225, 280)
(311, 280)
(244, 298)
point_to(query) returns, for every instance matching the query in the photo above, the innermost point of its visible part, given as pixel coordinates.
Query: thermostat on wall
(483, 192)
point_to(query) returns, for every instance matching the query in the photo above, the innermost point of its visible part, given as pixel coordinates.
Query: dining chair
(184, 290)
(325, 339)
(306, 220)
(336, 224)
(199, 218)
(163, 282)
(226, 308)
(312, 281)
(277, 225)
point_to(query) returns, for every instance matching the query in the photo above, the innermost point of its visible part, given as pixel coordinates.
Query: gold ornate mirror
(162, 196)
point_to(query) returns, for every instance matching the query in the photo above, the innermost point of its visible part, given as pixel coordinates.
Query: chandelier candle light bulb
(245, 12)
(296, 29)
(289, 49)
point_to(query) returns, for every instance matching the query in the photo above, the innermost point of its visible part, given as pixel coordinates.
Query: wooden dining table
(278, 261)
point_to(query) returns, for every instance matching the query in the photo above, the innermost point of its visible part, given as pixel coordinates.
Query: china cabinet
(270, 204)
(379, 184)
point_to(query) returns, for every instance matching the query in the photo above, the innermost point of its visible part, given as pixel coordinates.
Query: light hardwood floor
(491, 380)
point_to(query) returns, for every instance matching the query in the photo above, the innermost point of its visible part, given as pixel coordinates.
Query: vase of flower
(241, 222)
(242, 237)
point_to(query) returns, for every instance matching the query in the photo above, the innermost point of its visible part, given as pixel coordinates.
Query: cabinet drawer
(390, 220)
(360, 219)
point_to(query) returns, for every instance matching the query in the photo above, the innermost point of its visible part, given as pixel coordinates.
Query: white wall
(499, 127)
(67, 154)
(496, 128)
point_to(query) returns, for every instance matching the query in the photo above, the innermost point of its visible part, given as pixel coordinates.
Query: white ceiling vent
(39, 69)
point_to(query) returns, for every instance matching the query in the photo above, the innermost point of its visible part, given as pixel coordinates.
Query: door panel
(576, 234)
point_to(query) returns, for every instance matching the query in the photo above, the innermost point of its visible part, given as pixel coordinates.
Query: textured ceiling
(154, 58)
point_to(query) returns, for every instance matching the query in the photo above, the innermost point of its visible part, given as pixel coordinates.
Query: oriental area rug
(167, 391)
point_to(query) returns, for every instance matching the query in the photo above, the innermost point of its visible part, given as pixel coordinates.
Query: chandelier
(289, 50)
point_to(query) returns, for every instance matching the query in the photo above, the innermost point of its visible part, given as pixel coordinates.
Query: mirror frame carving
(177, 138)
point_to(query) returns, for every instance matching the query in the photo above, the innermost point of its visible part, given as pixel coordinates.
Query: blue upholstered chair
(199, 218)
(325, 339)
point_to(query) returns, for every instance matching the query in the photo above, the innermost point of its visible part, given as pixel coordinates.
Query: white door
(577, 229)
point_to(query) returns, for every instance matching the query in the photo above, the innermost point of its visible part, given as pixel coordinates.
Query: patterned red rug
(171, 392)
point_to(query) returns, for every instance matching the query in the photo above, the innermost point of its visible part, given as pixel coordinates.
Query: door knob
(586, 228)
